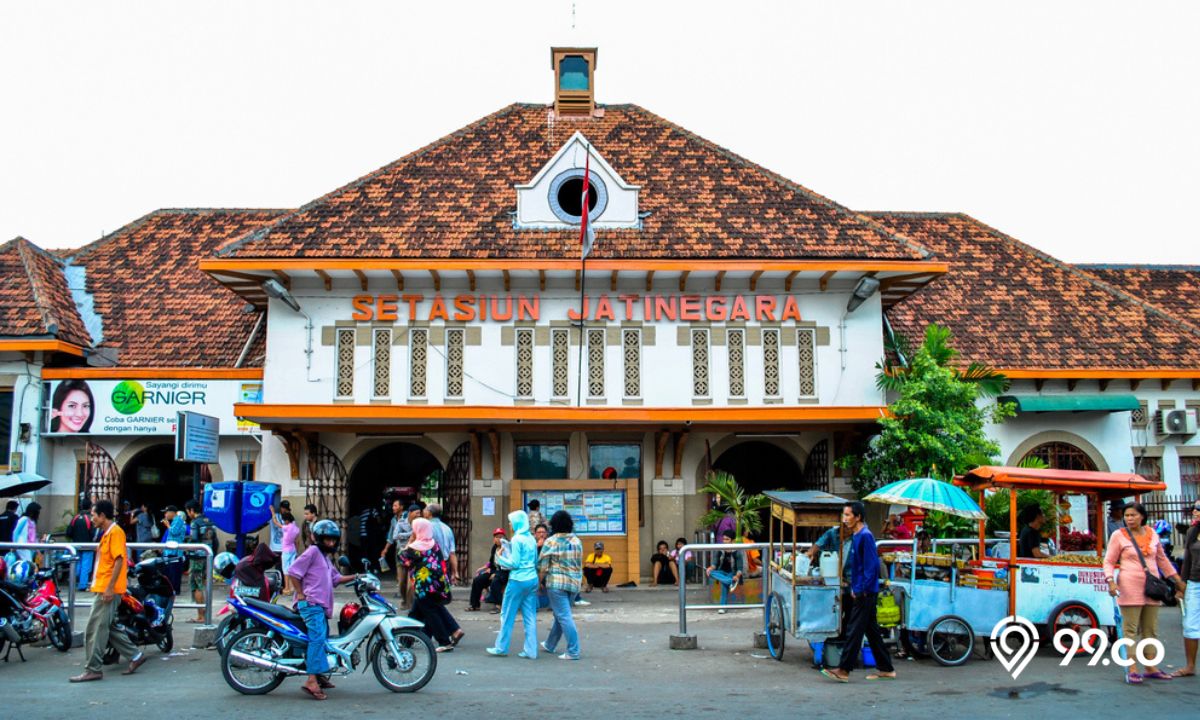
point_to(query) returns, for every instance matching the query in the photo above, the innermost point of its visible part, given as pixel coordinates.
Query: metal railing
(695, 550)
(72, 557)
(75, 549)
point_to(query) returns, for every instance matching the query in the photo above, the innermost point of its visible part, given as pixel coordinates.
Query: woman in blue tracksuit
(521, 593)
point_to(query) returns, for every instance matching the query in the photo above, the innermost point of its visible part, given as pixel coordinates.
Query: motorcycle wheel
(167, 641)
(59, 633)
(418, 661)
(249, 680)
(226, 632)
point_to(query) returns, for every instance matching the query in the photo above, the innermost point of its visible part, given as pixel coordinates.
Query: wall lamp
(275, 289)
(866, 287)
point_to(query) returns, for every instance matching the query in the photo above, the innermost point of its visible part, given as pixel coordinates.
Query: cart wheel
(951, 640)
(915, 643)
(1078, 617)
(774, 625)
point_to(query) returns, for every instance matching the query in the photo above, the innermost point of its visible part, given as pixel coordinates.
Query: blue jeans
(520, 596)
(564, 624)
(725, 579)
(85, 568)
(316, 660)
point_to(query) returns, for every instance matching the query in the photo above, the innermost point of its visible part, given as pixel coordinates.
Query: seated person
(252, 570)
(689, 563)
(727, 569)
(663, 570)
(486, 573)
(896, 529)
(597, 568)
(1030, 540)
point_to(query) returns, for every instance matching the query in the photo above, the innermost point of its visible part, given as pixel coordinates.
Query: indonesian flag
(587, 236)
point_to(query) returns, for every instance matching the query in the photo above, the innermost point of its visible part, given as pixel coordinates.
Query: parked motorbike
(233, 622)
(272, 646)
(145, 612)
(32, 610)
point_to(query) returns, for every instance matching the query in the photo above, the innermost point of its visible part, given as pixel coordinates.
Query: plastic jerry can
(803, 565)
(829, 566)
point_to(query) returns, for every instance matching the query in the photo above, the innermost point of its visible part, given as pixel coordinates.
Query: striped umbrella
(929, 494)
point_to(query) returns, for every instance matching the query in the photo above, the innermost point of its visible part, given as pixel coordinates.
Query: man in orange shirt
(109, 586)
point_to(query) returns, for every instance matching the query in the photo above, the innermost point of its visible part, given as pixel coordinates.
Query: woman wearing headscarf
(251, 571)
(26, 529)
(422, 558)
(520, 595)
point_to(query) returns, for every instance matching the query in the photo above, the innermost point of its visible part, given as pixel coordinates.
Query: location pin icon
(1014, 641)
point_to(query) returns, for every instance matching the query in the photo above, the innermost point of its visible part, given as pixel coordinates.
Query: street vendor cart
(945, 612)
(803, 603)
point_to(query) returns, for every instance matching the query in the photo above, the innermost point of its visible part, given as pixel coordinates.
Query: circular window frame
(594, 181)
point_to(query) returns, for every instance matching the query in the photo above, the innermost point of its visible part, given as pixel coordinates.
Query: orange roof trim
(1106, 484)
(850, 265)
(152, 373)
(43, 345)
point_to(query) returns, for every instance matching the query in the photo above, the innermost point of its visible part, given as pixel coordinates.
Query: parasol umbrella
(929, 494)
(21, 483)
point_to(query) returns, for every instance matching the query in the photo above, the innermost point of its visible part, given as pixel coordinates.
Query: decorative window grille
(700, 362)
(770, 344)
(418, 341)
(345, 362)
(631, 346)
(524, 362)
(560, 342)
(806, 339)
(595, 352)
(383, 362)
(455, 339)
(1140, 416)
(735, 342)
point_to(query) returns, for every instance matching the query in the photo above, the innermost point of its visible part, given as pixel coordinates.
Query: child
(291, 531)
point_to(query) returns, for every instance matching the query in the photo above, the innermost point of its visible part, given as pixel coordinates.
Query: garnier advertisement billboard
(144, 407)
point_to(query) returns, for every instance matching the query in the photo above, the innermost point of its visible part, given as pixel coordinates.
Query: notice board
(595, 512)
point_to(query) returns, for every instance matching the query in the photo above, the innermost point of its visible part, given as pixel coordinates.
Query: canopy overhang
(1108, 486)
(1073, 403)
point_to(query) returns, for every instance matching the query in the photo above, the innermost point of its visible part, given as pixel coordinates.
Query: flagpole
(584, 249)
(582, 329)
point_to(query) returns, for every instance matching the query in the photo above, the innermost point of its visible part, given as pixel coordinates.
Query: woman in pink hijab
(423, 559)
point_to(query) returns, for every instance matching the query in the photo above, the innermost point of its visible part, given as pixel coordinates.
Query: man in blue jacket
(862, 597)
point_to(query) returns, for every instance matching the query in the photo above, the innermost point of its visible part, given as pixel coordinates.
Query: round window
(566, 196)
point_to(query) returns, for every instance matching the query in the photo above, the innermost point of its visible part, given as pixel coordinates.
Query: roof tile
(39, 302)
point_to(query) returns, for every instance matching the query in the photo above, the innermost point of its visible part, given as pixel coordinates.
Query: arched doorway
(1062, 456)
(396, 470)
(154, 478)
(759, 466)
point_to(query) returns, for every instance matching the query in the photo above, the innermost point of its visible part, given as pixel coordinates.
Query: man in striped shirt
(560, 567)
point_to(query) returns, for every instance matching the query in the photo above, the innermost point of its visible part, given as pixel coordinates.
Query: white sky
(1070, 125)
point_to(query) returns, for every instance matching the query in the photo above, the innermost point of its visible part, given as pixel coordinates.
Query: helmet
(1162, 526)
(223, 565)
(348, 616)
(20, 572)
(326, 529)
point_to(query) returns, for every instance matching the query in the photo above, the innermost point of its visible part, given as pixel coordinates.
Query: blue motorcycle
(273, 643)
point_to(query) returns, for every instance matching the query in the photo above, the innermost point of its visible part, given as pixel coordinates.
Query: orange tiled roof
(1014, 307)
(455, 198)
(158, 308)
(34, 298)
(1174, 288)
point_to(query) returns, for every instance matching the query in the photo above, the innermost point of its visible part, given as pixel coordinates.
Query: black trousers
(597, 577)
(863, 623)
(496, 591)
(438, 621)
(481, 582)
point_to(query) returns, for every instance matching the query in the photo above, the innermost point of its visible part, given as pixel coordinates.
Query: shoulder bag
(1156, 588)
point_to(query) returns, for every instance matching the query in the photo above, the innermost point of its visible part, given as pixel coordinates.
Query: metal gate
(327, 486)
(101, 479)
(456, 505)
(816, 468)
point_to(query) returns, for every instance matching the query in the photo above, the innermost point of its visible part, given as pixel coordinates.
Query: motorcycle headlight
(369, 582)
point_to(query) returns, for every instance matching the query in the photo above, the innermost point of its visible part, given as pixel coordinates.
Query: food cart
(945, 611)
(804, 605)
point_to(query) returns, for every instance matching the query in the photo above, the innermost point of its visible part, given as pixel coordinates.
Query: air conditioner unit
(1176, 422)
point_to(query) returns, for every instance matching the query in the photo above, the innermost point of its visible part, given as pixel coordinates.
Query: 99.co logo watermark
(1015, 639)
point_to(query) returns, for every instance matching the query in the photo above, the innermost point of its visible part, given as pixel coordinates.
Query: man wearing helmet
(315, 577)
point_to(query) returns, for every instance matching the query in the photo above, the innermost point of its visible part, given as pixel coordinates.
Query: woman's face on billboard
(74, 412)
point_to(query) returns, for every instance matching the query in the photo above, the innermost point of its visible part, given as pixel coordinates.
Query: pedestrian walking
(26, 529)
(175, 531)
(200, 530)
(306, 528)
(80, 530)
(145, 528)
(431, 586)
(536, 517)
(1131, 552)
(400, 531)
(520, 594)
(315, 577)
(109, 585)
(275, 539)
(1190, 572)
(8, 520)
(863, 597)
(290, 545)
(445, 540)
(560, 567)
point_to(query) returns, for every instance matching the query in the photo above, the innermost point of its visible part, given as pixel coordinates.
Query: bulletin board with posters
(595, 512)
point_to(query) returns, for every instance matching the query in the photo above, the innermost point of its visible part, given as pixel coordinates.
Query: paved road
(627, 672)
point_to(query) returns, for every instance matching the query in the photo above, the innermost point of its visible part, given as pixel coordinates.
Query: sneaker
(497, 652)
(721, 611)
(568, 656)
(546, 647)
(582, 603)
(733, 585)
(523, 655)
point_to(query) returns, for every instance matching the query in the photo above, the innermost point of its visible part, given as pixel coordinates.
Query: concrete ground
(627, 671)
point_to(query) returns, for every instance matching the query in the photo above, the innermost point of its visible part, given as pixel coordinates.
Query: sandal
(1133, 678)
(324, 683)
(880, 676)
(315, 694)
(1182, 673)
(444, 648)
(834, 676)
(1158, 675)
(456, 638)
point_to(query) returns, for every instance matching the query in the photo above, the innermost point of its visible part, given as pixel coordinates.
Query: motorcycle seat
(274, 610)
(20, 592)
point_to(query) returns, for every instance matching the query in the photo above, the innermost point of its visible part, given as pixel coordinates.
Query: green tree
(732, 498)
(935, 425)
